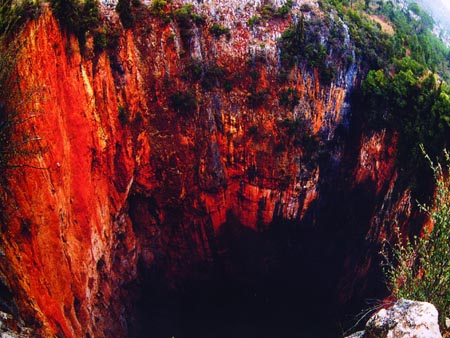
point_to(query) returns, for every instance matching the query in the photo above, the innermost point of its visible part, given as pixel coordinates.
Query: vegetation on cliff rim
(410, 100)
(83, 19)
(419, 269)
(269, 11)
(404, 89)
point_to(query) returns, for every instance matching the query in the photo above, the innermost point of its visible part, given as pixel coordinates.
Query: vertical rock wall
(127, 180)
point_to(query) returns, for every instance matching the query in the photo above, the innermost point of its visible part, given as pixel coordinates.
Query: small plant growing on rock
(158, 8)
(123, 115)
(289, 98)
(219, 30)
(184, 103)
(125, 13)
(254, 20)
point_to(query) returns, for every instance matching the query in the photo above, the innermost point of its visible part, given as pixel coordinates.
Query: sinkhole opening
(280, 283)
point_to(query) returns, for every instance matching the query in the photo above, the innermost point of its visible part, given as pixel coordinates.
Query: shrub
(13, 15)
(289, 98)
(193, 70)
(184, 103)
(183, 14)
(219, 30)
(126, 16)
(186, 19)
(212, 76)
(77, 18)
(252, 130)
(284, 10)
(257, 98)
(254, 20)
(100, 40)
(123, 115)
(267, 11)
(158, 8)
(68, 13)
(420, 268)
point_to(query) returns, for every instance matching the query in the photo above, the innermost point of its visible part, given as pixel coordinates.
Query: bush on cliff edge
(419, 269)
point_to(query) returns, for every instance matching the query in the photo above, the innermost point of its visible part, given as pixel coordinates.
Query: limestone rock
(10, 327)
(405, 318)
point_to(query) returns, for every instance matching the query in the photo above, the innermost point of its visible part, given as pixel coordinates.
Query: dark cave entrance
(308, 278)
(279, 283)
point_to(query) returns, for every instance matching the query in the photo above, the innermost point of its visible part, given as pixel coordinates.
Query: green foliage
(269, 11)
(77, 18)
(122, 115)
(409, 101)
(210, 75)
(126, 16)
(183, 14)
(13, 15)
(184, 103)
(158, 8)
(257, 97)
(186, 19)
(374, 47)
(419, 269)
(254, 20)
(401, 91)
(296, 133)
(219, 30)
(67, 12)
(285, 9)
(413, 35)
(194, 70)
(315, 44)
(90, 14)
(100, 40)
(289, 98)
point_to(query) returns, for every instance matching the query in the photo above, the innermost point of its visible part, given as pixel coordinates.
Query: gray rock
(12, 328)
(406, 318)
(359, 334)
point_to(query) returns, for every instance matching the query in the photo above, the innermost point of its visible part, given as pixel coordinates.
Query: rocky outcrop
(11, 328)
(405, 318)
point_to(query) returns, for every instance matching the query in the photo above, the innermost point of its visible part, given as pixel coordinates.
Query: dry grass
(385, 27)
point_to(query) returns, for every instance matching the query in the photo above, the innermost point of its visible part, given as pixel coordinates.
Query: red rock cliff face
(129, 179)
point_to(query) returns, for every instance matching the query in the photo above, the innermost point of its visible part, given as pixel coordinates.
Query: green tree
(77, 18)
(123, 7)
(68, 13)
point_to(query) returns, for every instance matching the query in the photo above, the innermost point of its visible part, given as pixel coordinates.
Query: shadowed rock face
(167, 195)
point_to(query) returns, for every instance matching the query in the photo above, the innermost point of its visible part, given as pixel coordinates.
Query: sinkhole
(281, 282)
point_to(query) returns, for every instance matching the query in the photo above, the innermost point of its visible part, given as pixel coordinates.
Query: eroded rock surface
(405, 319)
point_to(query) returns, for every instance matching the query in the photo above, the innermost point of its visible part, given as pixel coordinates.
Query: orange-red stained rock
(111, 138)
